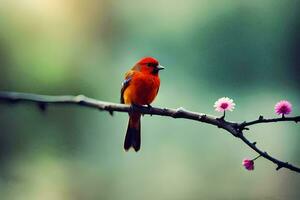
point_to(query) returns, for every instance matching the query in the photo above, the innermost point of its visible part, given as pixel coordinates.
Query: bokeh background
(246, 50)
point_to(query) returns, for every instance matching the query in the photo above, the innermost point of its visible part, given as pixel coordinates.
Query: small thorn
(150, 109)
(278, 167)
(261, 117)
(42, 106)
(111, 113)
(254, 143)
(242, 126)
(202, 116)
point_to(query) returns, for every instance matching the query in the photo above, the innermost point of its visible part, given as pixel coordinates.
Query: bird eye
(151, 64)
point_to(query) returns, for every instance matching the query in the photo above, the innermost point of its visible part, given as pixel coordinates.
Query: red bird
(140, 87)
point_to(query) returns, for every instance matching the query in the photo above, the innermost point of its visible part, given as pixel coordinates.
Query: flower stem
(223, 114)
(256, 157)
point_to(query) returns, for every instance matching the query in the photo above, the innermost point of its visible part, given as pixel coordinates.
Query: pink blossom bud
(283, 107)
(248, 164)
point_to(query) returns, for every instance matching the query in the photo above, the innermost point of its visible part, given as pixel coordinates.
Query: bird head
(148, 65)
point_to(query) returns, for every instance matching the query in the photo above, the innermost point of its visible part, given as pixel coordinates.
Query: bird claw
(132, 108)
(135, 108)
(150, 109)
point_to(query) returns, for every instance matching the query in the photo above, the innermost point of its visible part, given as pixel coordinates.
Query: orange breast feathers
(142, 82)
(142, 88)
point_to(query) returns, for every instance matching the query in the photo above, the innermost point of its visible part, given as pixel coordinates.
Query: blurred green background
(246, 50)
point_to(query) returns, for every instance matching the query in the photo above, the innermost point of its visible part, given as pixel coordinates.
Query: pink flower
(248, 164)
(224, 104)
(283, 107)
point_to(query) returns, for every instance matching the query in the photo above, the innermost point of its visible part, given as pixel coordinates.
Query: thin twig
(261, 120)
(232, 127)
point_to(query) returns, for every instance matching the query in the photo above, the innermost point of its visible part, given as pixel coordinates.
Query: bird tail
(133, 134)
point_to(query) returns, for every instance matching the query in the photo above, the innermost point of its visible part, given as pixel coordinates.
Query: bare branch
(261, 120)
(232, 127)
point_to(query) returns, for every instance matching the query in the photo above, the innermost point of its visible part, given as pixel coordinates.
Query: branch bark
(234, 128)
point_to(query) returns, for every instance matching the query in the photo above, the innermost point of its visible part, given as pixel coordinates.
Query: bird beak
(159, 67)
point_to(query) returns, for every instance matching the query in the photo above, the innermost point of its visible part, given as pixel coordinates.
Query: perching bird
(140, 87)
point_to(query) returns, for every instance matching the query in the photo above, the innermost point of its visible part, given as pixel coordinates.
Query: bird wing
(125, 83)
